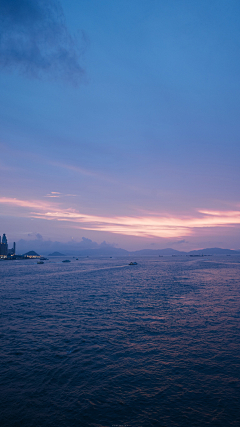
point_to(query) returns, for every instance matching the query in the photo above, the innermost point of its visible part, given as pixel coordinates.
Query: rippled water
(97, 342)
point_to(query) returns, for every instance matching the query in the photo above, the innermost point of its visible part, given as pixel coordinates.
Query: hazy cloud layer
(35, 40)
(38, 244)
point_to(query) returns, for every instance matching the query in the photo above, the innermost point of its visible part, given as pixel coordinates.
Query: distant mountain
(56, 254)
(31, 253)
(213, 251)
(105, 250)
(170, 251)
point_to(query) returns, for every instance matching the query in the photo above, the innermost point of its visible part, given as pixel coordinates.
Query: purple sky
(120, 122)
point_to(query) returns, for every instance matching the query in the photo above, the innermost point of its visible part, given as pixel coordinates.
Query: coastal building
(4, 251)
(4, 239)
(4, 245)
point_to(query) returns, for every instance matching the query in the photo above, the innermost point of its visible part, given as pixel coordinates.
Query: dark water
(99, 343)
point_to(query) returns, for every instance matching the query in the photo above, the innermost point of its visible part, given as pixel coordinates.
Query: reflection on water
(97, 342)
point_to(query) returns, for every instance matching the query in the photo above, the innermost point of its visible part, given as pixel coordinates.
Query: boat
(66, 260)
(132, 263)
(40, 262)
(42, 258)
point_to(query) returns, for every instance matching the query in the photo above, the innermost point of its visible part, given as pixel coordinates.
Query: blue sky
(120, 122)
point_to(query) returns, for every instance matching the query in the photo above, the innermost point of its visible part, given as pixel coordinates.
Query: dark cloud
(179, 242)
(87, 244)
(106, 245)
(39, 236)
(35, 40)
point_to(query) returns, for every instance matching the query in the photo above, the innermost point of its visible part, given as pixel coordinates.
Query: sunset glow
(166, 226)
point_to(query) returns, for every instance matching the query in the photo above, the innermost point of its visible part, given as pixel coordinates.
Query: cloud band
(166, 226)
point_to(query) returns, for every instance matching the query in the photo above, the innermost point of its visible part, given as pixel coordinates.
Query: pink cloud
(147, 225)
(24, 203)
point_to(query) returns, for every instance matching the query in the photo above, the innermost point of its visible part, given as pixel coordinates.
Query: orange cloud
(150, 225)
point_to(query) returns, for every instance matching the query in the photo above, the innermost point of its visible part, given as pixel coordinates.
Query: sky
(119, 122)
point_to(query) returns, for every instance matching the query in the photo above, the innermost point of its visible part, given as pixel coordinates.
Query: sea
(98, 342)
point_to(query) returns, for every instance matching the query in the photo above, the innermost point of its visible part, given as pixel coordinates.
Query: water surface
(97, 342)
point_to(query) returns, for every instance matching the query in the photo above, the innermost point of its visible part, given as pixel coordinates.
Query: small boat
(133, 263)
(76, 259)
(40, 262)
(66, 260)
(42, 258)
